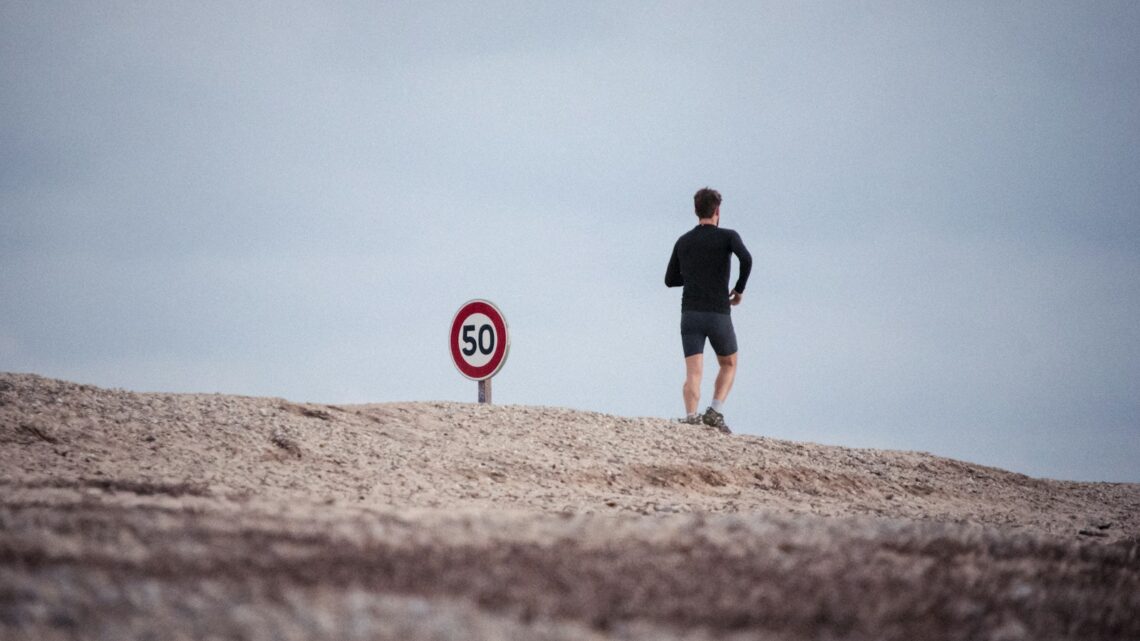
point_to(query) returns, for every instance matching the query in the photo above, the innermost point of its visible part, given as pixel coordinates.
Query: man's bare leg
(694, 367)
(724, 377)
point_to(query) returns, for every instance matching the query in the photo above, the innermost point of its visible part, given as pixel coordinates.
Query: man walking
(700, 263)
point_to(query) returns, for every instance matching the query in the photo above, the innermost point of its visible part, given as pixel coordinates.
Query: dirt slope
(132, 516)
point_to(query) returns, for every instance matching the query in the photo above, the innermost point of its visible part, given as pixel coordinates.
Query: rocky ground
(163, 516)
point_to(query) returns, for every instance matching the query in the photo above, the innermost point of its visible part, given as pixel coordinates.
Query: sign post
(479, 343)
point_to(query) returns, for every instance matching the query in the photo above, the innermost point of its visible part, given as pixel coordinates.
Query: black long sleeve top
(701, 263)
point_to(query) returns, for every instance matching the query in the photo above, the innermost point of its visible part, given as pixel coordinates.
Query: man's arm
(673, 276)
(745, 259)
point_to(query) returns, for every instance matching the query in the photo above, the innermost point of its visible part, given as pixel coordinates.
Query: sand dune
(174, 516)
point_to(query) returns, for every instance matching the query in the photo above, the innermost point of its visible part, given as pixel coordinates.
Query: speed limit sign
(479, 342)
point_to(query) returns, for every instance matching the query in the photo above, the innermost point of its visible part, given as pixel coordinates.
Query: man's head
(706, 202)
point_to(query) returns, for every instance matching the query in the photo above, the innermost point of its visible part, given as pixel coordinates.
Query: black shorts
(717, 327)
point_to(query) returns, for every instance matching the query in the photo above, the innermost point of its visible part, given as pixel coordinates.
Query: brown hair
(705, 202)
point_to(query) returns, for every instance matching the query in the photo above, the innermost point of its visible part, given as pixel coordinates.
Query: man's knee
(727, 362)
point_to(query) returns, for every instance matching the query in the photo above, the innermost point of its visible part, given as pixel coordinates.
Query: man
(700, 262)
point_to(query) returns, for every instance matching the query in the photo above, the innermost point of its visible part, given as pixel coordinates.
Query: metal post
(485, 391)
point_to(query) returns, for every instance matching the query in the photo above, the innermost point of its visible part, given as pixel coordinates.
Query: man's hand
(734, 297)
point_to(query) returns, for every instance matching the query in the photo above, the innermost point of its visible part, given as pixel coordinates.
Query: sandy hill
(128, 515)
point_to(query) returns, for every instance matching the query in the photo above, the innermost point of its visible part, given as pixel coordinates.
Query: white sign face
(479, 340)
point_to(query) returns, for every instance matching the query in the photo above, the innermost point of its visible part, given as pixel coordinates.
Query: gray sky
(942, 201)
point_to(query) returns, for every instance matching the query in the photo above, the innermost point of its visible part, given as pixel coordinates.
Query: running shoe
(695, 419)
(713, 418)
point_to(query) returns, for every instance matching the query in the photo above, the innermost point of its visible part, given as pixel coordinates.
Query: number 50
(485, 343)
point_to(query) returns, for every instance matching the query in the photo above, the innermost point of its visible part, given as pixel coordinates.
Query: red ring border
(501, 346)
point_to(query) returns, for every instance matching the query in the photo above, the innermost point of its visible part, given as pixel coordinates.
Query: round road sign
(479, 340)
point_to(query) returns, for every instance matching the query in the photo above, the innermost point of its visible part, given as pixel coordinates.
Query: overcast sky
(279, 199)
